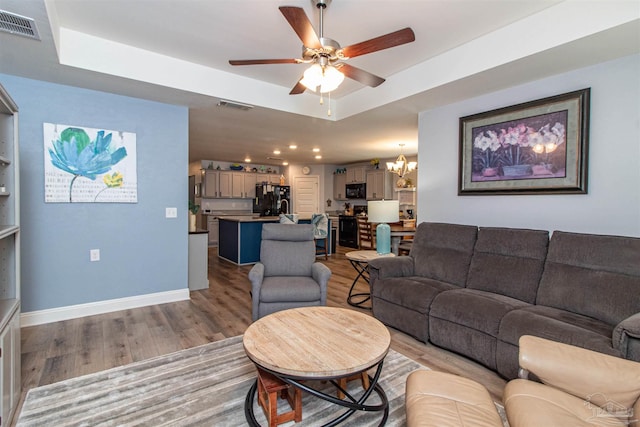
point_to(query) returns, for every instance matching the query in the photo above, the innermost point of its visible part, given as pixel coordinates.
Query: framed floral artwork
(89, 165)
(539, 147)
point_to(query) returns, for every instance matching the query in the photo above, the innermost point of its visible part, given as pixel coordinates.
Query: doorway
(306, 195)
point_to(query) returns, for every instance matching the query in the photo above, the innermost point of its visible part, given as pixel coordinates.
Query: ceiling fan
(326, 56)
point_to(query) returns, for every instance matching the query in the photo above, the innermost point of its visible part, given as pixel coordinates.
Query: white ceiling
(177, 52)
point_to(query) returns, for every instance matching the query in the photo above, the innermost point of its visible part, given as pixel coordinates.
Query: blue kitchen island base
(240, 238)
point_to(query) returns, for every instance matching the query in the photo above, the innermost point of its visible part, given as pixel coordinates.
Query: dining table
(398, 232)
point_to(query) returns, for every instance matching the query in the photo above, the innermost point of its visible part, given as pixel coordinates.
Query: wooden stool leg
(365, 381)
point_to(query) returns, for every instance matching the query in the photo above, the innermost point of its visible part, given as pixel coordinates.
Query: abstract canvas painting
(87, 165)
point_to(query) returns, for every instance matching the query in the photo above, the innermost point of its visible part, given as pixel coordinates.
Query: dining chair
(321, 233)
(366, 237)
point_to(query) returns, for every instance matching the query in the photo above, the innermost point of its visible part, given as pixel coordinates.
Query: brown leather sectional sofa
(476, 291)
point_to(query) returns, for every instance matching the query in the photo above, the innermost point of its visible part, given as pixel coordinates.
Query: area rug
(201, 386)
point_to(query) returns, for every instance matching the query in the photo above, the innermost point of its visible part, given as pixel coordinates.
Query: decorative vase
(517, 170)
(192, 222)
(489, 172)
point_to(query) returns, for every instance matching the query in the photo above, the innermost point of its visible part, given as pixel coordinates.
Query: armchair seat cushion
(531, 404)
(289, 289)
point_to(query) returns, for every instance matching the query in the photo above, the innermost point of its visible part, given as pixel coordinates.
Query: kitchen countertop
(246, 218)
(198, 231)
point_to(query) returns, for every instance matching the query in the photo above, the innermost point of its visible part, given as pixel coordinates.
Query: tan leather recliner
(579, 387)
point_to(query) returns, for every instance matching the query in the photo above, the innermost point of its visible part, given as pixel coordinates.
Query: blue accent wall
(141, 251)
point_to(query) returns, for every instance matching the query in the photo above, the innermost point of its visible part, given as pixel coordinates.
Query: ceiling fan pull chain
(329, 108)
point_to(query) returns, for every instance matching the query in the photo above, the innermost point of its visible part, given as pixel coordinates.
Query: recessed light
(318, 156)
(247, 159)
(285, 163)
(316, 150)
(276, 152)
(293, 146)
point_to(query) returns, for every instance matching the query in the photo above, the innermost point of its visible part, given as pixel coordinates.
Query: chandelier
(401, 166)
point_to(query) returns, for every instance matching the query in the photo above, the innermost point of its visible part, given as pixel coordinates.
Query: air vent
(19, 25)
(275, 158)
(233, 104)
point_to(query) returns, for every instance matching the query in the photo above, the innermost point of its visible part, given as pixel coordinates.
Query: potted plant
(193, 210)
(375, 163)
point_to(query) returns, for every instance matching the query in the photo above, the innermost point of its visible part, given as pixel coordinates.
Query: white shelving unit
(10, 382)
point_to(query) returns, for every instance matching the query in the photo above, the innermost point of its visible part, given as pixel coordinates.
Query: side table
(360, 262)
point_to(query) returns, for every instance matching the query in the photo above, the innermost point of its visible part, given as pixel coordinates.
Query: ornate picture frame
(538, 147)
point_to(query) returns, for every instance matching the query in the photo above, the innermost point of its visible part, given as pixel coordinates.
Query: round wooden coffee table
(319, 343)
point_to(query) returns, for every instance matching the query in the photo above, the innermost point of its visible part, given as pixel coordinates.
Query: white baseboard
(41, 317)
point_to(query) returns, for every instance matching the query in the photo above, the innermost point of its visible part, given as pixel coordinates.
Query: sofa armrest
(595, 377)
(321, 274)
(383, 268)
(626, 337)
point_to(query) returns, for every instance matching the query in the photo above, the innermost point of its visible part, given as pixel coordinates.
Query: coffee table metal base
(350, 402)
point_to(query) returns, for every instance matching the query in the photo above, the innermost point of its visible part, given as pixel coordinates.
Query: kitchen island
(240, 238)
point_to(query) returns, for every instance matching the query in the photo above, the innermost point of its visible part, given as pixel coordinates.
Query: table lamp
(383, 212)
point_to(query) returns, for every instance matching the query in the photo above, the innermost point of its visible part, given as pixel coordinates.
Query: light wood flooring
(67, 349)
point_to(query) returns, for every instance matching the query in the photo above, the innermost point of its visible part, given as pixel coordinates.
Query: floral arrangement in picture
(519, 150)
(81, 161)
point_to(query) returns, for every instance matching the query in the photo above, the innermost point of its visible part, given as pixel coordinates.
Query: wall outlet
(171, 212)
(94, 254)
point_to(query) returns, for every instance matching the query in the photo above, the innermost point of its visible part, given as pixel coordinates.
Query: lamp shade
(383, 211)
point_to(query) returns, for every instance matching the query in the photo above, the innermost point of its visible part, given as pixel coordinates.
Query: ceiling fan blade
(396, 38)
(360, 75)
(298, 89)
(261, 61)
(301, 25)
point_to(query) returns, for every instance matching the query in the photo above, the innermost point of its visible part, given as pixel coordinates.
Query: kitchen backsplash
(227, 205)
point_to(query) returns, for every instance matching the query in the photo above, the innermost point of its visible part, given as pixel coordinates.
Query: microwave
(356, 191)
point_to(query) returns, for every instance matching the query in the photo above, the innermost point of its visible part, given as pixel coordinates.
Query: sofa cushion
(557, 325)
(415, 293)
(593, 275)
(508, 261)
(479, 310)
(443, 251)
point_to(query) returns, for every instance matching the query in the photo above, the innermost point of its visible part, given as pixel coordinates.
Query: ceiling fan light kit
(328, 69)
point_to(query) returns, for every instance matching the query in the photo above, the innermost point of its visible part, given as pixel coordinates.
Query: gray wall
(612, 205)
(142, 252)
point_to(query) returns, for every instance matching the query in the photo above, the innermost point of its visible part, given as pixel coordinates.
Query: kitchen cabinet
(243, 185)
(269, 178)
(10, 383)
(249, 186)
(379, 185)
(225, 184)
(356, 174)
(339, 186)
(210, 182)
(237, 185)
